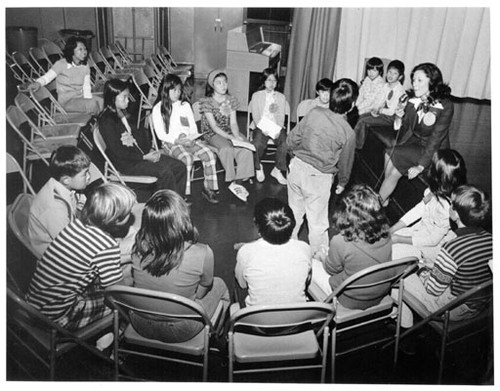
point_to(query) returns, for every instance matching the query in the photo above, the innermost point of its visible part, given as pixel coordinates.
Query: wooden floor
(230, 222)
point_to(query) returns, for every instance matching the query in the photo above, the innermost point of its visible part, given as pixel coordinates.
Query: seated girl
(219, 127)
(129, 148)
(363, 241)
(269, 104)
(175, 127)
(431, 215)
(274, 269)
(371, 86)
(168, 258)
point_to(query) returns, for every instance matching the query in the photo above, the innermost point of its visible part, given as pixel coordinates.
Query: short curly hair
(360, 216)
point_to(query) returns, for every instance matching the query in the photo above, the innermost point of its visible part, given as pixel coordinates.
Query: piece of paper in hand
(243, 144)
(269, 127)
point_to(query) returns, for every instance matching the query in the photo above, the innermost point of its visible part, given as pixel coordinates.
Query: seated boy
(83, 259)
(60, 200)
(275, 268)
(323, 89)
(461, 264)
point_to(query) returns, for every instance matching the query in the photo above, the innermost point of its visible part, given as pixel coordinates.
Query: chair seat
(194, 346)
(42, 335)
(46, 147)
(253, 348)
(80, 119)
(462, 326)
(345, 315)
(62, 130)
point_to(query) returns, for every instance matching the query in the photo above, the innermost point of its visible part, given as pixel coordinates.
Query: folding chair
(145, 93)
(303, 108)
(52, 50)
(367, 284)
(126, 55)
(161, 305)
(21, 67)
(271, 149)
(110, 172)
(41, 141)
(452, 332)
(12, 167)
(279, 335)
(45, 339)
(188, 66)
(40, 59)
(169, 63)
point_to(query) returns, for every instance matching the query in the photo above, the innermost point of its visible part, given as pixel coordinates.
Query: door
(210, 37)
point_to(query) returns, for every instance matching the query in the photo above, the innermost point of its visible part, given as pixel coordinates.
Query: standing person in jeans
(323, 145)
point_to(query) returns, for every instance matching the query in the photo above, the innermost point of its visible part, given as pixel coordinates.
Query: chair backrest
(47, 102)
(375, 282)
(24, 66)
(282, 319)
(32, 110)
(158, 304)
(18, 217)
(39, 60)
(13, 166)
(303, 108)
(52, 51)
(109, 168)
(196, 111)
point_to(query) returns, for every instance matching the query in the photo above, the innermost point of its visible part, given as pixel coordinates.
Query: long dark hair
(437, 88)
(168, 83)
(446, 173)
(360, 215)
(166, 227)
(69, 49)
(112, 89)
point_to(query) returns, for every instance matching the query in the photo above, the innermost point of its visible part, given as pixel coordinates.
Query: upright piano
(247, 56)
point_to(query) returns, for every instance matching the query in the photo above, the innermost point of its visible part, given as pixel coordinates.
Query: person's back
(274, 273)
(57, 203)
(274, 268)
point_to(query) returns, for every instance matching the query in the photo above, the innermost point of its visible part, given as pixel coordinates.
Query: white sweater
(181, 122)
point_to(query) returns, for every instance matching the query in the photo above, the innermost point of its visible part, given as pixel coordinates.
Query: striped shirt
(462, 262)
(79, 258)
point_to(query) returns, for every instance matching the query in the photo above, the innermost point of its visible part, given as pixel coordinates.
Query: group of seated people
(88, 244)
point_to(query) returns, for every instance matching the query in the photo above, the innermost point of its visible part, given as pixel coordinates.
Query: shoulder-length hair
(108, 206)
(166, 227)
(437, 88)
(69, 48)
(446, 173)
(265, 74)
(360, 216)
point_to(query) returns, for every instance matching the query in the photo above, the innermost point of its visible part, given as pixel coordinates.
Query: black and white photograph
(261, 193)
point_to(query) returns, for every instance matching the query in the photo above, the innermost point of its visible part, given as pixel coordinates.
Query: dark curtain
(312, 53)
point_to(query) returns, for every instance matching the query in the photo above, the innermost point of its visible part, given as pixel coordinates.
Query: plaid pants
(208, 159)
(86, 309)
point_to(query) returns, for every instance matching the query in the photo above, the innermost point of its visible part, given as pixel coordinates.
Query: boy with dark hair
(323, 146)
(461, 264)
(275, 268)
(59, 201)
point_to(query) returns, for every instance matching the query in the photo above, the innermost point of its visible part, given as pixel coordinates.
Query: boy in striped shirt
(461, 264)
(82, 260)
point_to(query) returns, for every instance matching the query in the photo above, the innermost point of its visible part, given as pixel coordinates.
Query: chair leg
(52, 355)
(231, 354)
(205, 354)
(116, 332)
(334, 342)
(324, 357)
(443, 347)
(190, 176)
